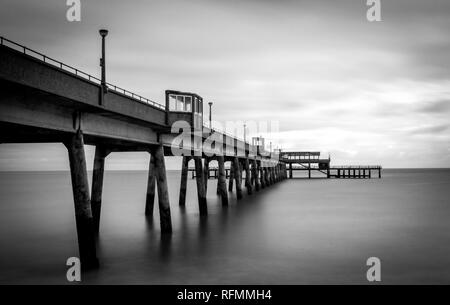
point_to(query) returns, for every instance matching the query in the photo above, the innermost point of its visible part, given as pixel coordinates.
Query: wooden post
(237, 177)
(163, 193)
(82, 201)
(339, 173)
(370, 174)
(379, 173)
(222, 181)
(328, 173)
(201, 190)
(309, 170)
(183, 184)
(97, 184)
(151, 183)
(248, 183)
(290, 170)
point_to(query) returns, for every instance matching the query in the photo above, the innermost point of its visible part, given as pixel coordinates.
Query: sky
(363, 92)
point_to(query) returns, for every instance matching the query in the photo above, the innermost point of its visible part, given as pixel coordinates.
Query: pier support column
(379, 173)
(309, 170)
(328, 173)
(151, 184)
(255, 175)
(163, 192)
(261, 175)
(370, 174)
(230, 181)
(222, 181)
(82, 201)
(97, 184)
(290, 170)
(206, 173)
(268, 182)
(183, 183)
(248, 183)
(201, 189)
(238, 177)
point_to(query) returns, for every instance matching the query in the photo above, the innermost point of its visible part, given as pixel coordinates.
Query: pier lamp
(103, 33)
(245, 130)
(210, 105)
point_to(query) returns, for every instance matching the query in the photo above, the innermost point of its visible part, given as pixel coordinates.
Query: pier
(44, 100)
(306, 161)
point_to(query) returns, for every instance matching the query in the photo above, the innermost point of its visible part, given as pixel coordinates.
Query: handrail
(58, 64)
(356, 166)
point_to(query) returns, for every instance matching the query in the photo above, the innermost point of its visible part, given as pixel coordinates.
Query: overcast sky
(365, 92)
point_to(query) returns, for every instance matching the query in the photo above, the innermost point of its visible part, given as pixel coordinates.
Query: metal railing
(62, 66)
(356, 167)
(226, 133)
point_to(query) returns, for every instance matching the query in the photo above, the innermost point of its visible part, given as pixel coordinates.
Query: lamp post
(103, 33)
(210, 104)
(245, 135)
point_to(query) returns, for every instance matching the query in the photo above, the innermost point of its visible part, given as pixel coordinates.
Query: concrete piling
(206, 173)
(183, 182)
(163, 193)
(231, 178)
(97, 184)
(201, 190)
(248, 183)
(255, 175)
(237, 177)
(151, 184)
(222, 181)
(82, 201)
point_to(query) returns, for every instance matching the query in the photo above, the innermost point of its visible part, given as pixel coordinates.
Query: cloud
(333, 80)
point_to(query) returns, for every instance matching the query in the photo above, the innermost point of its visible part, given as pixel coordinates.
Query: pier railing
(69, 69)
(356, 167)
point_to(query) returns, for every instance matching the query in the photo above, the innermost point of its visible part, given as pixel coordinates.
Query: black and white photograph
(218, 143)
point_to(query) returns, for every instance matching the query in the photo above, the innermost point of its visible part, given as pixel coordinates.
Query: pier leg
(201, 190)
(206, 173)
(248, 183)
(261, 176)
(222, 181)
(267, 171)
(379, 173)
(82, 201)
(230, 181)
(309, 170)
(151, 183)
(255, 175)
(163, 193)
(183, 184)
(97, 185)
(370, 174)
(290, 170)
(238, 177)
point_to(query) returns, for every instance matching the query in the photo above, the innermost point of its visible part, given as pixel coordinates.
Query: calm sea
(296, 232)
